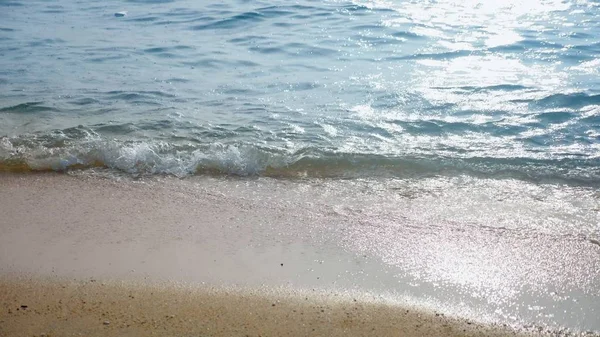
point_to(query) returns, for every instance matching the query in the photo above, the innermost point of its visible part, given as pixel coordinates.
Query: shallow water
(314, 88)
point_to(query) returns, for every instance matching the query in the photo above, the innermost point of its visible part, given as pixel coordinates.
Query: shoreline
(281, 238)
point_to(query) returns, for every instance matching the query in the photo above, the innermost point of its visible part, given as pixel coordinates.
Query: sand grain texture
(94, 308)
(236, 257)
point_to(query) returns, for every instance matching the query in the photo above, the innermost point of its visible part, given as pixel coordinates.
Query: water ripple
(514, 85)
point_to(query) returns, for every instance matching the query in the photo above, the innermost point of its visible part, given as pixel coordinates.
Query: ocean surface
(304, 89)
(468, 114)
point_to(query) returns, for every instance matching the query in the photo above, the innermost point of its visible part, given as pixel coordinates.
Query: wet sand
(93, 308)
(232, 257)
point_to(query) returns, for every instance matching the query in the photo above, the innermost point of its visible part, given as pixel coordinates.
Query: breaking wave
(81, 148)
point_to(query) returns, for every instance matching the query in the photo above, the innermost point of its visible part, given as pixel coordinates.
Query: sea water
(304, 88)
(449, 113)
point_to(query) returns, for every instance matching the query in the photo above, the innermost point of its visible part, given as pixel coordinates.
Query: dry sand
(228, 258)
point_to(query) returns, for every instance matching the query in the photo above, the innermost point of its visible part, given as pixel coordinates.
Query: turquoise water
(309, 89)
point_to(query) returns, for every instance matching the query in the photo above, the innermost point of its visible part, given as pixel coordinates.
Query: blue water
(305, 89)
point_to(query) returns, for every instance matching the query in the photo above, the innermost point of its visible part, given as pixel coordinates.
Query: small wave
(433, 56)
(275, 11)
(151, 1)
(27, 108)
(145, 19)
(588, 48)
(10, 4)
(81, 148)
(574, 101)
(525, 45)
(554, 117)
(236, 21)
(408, 35)
(118, 94)
(498, 87)
(54, 11)
(107, 58)
(362, 10)
(84, 101)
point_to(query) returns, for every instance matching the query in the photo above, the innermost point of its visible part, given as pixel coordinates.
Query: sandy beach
(92, 308)
(83, 255)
